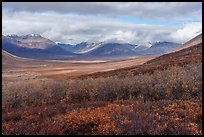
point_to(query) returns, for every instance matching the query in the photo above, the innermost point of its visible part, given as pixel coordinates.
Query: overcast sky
(130, 22)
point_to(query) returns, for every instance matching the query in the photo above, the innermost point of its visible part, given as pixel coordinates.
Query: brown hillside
(9, 60)
(195, 41)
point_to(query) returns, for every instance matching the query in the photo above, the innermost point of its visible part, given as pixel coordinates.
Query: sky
(129, 22)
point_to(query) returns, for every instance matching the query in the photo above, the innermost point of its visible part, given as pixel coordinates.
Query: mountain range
(33, 46)
(37, 47)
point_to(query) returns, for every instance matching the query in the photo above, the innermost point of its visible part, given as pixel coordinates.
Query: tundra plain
(64, 70)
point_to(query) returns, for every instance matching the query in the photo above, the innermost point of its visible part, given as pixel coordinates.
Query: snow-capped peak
(12, 35)
(91, 46)
(149, 44)
(58, 43)
(34, 35)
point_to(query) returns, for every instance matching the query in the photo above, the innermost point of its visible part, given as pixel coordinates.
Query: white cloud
(187, 31)
(74, 28)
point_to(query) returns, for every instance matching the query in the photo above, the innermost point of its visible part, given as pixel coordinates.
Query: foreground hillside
(163, 117)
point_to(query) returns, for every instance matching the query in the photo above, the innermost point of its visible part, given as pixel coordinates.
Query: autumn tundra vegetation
(164, 102)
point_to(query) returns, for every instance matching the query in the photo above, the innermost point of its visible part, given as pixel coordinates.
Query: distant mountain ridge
(38, 47)
(33, 46)
(123, 49)
(114, 49)
(161, 47)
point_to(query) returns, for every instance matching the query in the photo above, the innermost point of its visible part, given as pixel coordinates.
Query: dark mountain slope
(36, 48)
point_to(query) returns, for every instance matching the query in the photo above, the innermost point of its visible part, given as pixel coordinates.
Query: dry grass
(174, 83)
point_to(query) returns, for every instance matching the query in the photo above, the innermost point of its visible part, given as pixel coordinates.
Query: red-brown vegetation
(162, 117)
(162, 103)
